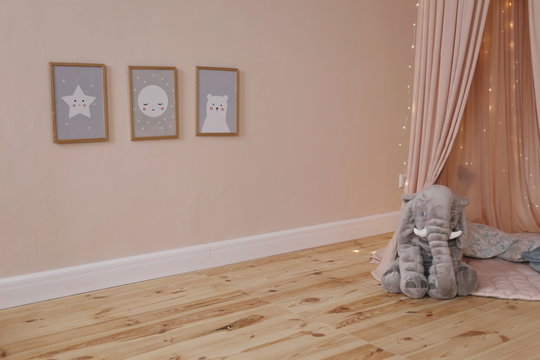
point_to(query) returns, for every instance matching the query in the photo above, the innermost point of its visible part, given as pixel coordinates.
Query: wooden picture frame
(217, 101)
(153, 100)
(79, 102)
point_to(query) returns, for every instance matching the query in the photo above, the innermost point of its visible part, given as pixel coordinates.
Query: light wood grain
(320, 303)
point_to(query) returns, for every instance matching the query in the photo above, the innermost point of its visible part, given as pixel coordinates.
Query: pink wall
(323, 93)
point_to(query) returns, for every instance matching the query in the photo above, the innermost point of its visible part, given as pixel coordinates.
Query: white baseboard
(30, 288)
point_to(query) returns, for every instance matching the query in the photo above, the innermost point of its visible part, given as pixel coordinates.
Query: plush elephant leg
(390, 279)
(466, 279)
(413, 282)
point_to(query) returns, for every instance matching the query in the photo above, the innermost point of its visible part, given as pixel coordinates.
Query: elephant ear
(405, 227)
(407, 197)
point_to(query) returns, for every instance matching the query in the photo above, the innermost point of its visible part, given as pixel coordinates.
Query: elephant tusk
(421, 233)
(455, 234)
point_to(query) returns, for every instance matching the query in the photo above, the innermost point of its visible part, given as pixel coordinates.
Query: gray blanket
(488, 242)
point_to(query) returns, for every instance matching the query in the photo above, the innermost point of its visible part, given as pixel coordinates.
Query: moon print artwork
(217, 101)
(79, 102)
(153, 101)
(154, 110)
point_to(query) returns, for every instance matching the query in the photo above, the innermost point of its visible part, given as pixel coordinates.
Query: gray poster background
(66, 79)
(218, 83)
(146, 126)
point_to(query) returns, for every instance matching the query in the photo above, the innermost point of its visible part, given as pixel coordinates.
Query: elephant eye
(421, 213)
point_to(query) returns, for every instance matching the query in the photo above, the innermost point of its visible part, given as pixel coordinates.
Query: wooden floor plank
(316, 304)
(476, 323)
(109, 304)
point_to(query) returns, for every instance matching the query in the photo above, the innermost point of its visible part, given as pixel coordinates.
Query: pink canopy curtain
(495, 160)
(534, 29)
(448, 40)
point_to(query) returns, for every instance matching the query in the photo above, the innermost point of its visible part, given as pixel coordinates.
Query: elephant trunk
(442, 279)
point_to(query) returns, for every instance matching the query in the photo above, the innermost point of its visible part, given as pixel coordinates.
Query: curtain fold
(450, 35)
(496, 157)
(448, 38)
(534, 30)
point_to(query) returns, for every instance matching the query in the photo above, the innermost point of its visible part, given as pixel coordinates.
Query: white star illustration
(79, 103)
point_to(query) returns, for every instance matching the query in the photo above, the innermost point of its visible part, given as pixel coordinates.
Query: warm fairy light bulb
(404, 127)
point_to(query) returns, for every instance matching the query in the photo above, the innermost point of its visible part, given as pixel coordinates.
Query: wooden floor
(314, 304)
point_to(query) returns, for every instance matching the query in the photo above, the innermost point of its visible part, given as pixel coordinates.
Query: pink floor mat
(506, 280)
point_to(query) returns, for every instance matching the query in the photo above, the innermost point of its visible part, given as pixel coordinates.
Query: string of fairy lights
(408, 112)
(508, 32)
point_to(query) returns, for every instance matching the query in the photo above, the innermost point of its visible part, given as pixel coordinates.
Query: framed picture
(153, 102)
(79, 102)
(217, 101)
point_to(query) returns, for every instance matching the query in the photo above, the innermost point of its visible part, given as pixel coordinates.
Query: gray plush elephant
(429, 237)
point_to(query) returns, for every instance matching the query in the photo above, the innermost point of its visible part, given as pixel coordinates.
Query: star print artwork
(79, 103)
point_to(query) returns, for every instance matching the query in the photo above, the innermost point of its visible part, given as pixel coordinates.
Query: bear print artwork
(216, 115)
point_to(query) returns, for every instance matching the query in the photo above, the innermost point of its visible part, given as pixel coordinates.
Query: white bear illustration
(216, 115)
